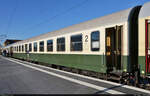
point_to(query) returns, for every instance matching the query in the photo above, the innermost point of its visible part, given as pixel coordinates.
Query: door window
(95, 41)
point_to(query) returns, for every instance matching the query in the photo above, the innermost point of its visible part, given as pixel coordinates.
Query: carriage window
(22, 48)
(95, 41)
(50, 45)
(41, 46)
(19, 48)
(76, 43)
(30, 47)
(15, 48)
(35, 47)
(26, 47)
(61, 44)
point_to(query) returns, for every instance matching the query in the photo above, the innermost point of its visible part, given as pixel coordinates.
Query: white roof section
(8, 46)
(145, 10)
(114, 18)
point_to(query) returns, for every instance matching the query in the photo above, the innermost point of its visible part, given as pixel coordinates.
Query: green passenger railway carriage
(114, 45)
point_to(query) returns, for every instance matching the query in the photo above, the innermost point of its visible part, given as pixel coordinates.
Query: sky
(23, 19)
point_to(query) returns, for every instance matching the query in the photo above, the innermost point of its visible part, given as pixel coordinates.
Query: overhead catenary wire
(57, 15)
(10, 20)
(135, 3)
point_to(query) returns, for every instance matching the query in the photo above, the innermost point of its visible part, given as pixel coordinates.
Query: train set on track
(116, 46)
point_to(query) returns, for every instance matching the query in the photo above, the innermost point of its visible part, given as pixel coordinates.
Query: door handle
(118, 52)
(115, 52)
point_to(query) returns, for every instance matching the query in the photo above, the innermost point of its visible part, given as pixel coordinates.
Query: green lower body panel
(94, 63)
(124, 62)
(142, 63)
(20, 55)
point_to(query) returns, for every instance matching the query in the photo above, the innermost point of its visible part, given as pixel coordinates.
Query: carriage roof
(144, 12)
(114, 18)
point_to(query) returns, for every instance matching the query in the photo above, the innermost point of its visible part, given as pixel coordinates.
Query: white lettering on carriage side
(86, 38)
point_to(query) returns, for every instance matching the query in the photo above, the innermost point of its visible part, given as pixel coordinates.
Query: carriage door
(113, 48)
(147, 46)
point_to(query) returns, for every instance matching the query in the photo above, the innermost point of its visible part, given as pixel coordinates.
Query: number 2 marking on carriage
(86, 38)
